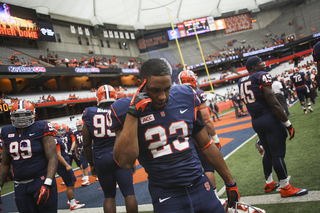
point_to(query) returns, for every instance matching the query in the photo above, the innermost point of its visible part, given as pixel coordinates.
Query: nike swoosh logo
(43, 190)
(164, 199)
(32, 134)
(183, 111)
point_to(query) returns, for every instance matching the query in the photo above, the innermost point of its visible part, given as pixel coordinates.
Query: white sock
(284, 182)
(215, 192)
(72, 202)
(270, 179)
(85, 178)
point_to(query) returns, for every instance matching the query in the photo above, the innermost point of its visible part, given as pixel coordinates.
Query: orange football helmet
(187, 77)
(79, 125)
(22, 114)
(62, 131)
(106, 93)
(56, 126)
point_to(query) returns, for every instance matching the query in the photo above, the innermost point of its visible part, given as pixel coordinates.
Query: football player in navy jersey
(187, 77)
(270, 123)
(160, 127)
(65, 170)
(30, 148)
(68, 138)
(83, 159)
(99, 128)
(316, 58)
(299, 80)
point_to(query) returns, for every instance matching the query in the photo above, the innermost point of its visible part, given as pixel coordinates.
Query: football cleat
(85, 183)
(271, 186)
(240, 207)
(106, 93)
(22, 114)
(310, 109)
(305, 111)
(77, 202)
(289, 191)
(77, 206)
(187, 77)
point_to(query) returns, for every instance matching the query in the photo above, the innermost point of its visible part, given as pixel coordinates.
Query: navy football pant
(303, 92)
(83, 160)
(197, 198)
(67, 176)
(109, 173)
(272, 133)
(27, 203)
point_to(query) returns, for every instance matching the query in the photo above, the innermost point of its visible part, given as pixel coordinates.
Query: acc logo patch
(147, 119)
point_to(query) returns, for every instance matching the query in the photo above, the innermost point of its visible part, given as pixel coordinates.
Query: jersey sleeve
(119, 111)
(48, 129)
(264, 79)
(202, 95)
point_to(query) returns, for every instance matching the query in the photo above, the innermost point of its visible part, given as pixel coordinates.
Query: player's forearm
(215, 159)
(88, 153)
(4, 171)
(62, 160)
(126, 148)
(51, 154)
(73, 145)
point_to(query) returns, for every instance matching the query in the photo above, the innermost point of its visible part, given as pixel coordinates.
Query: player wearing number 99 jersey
(99, 127)
(30, 147)
(270, 122)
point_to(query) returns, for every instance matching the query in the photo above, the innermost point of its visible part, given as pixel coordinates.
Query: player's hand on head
(232, 193)
(139, 101)
(291, 131)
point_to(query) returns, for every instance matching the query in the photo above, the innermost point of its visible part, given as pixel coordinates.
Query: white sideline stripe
(252, 200)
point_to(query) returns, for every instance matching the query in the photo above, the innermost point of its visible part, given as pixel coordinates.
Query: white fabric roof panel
(137, 13)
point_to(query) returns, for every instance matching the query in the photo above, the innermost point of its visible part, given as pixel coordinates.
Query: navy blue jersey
(202, 95)
(166, 149)
(28, 157)
(79, 139)
(101, 122)
(298, 79)
(252, 95)
(62, 147)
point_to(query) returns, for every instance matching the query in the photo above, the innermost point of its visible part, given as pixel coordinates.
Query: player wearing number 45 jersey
(159, 128)
(270, 123)
(99, 127)
(30, 148)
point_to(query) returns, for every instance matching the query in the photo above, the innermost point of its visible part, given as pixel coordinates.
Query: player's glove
(232, 193)
(43, 194)
(70, 153)
(259, 147)
(139, 101)
(291, 131)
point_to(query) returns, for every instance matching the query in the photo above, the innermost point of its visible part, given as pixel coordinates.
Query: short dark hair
(155, 67)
